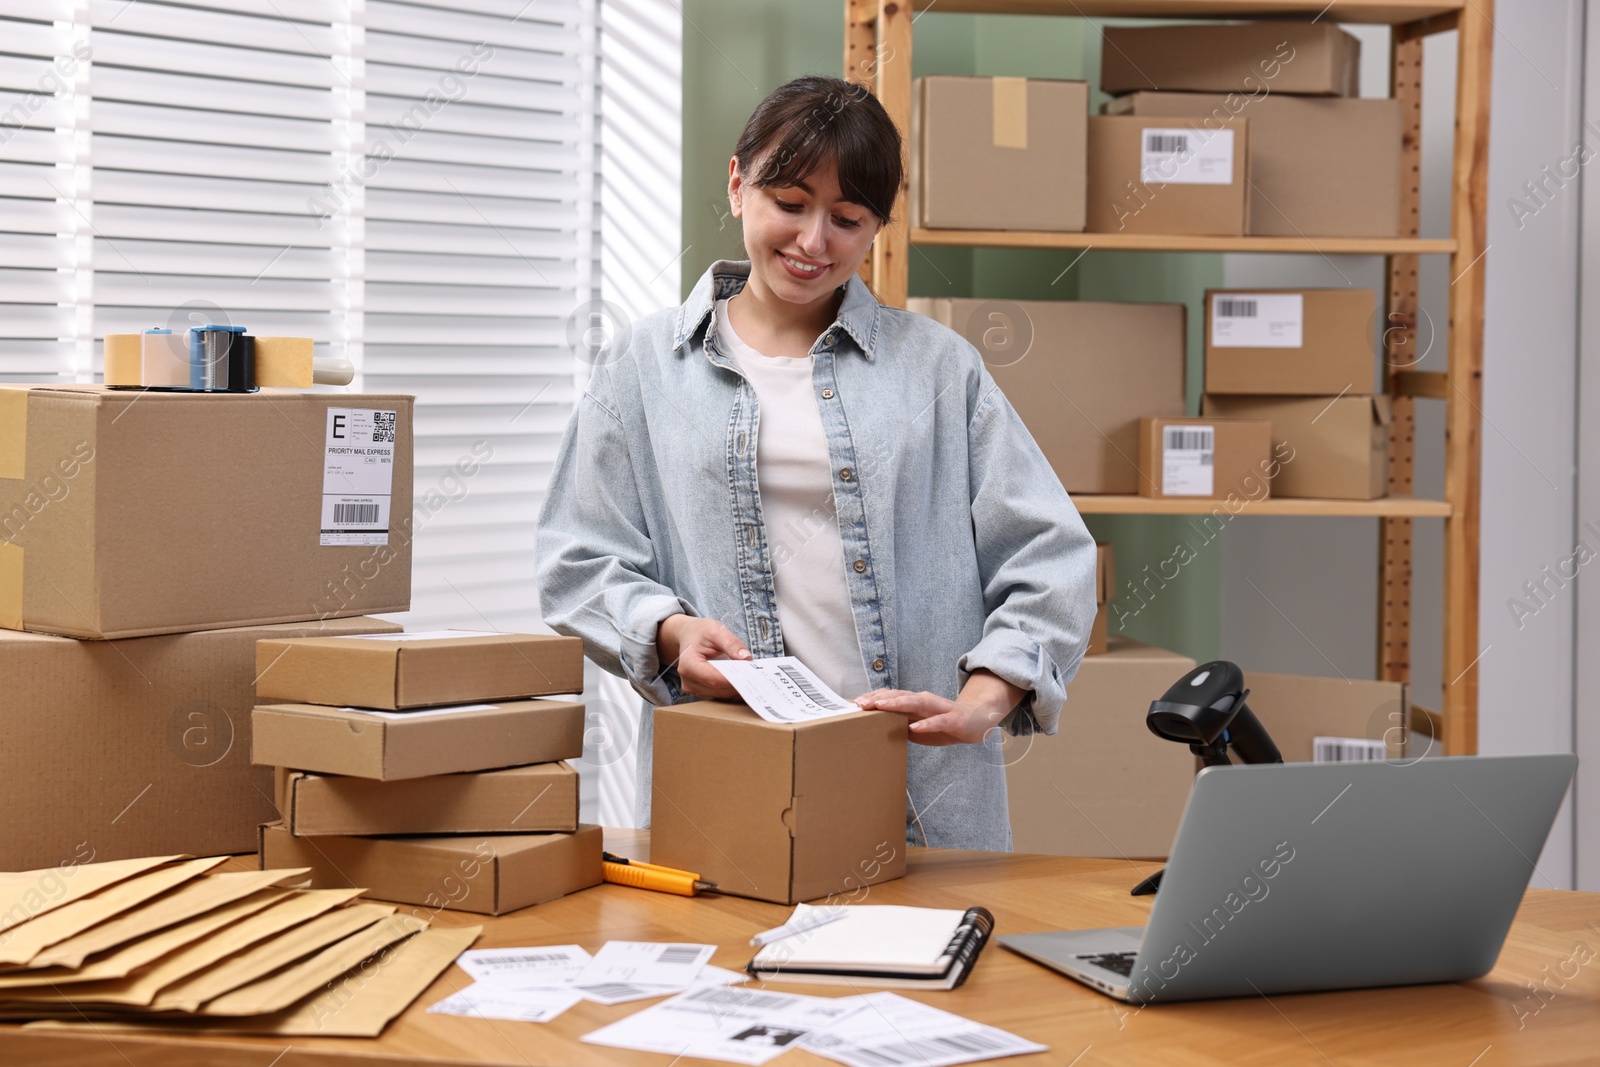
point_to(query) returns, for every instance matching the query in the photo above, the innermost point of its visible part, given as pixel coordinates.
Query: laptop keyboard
(1120, 962)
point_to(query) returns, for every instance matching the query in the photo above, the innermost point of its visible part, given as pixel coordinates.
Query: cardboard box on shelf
(395, 671)
(1105, 785)
(1361, 719)
(490, 874)
(1250, 59)
(1201, 457)
(138, 747)
(124, 514)
(1168, 177)
(1334, 448)
(1290, 342)
(998, 153)
(1105, 588)
(1318, 167)
(1080, 374)
(783, 813)
(517, 800)
(415, 744)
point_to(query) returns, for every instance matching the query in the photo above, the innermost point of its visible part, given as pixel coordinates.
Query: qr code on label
(383, 426)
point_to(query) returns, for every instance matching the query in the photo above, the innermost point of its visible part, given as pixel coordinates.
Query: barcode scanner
(1206, 710)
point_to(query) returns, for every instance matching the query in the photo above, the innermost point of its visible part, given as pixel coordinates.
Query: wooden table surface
(1496, 1020)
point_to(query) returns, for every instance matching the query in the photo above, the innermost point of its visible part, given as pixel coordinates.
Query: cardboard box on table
(1080, 374)
(416, 744)
(1168, 177)
(418, 670)
(1325, 447)
(1201, 458)
(136, 747)
(998, 153)
(541, 797)
(783, 813)
(1360, 717)
(1104, 785)
(486, 873)
(1249, 59)
(1290, 342)
(128, 513)
(1318, 167)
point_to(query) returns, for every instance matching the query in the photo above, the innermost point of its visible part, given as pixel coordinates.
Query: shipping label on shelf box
(1257, 320)
(357, 476)
(1183, 155)
(1188, 466)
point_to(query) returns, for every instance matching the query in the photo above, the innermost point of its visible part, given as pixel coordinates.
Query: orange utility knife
(653, 876)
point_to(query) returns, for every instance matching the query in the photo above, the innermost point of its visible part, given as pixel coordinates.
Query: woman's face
(804, 241)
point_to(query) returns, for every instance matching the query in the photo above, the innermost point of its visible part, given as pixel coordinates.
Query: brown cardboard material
(1318, 167)
(416, 744)
(1295, 708)
(1252, 59)
(1105, 785)
(1334, 448)
(1121, 199)
(998, 153)
(128, 513)
(1105, 588)
(784, 813)
(417, 671)
(1291, 342)
(1080, 374)
(1240, 459)
(533, 799)
(135, 747)
(489, 874)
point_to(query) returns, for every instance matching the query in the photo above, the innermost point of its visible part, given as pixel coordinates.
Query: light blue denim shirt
(961, 549)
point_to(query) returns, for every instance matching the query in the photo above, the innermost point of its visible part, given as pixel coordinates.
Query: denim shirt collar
(858, 313)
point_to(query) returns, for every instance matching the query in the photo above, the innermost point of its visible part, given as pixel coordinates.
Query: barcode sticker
(1257, 320)
(1347, 749)
(1186, 156)
(357, 476)
(1188, 465)
(782, 689)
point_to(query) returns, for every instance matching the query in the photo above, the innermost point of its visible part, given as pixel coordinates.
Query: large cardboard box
(127, 513)
(1361, 719)
(1105, 785)
(417, 670)
(1318, 167)
(415, 744)
(139, 747)
(998, 153)
(1080, 374)
(1205, 458)
(1105, 589)
(1290, 342)
(517, 800)
(1168, 176)
(1335, 448)
(489, 874)
(779, 812)
(1250, 59)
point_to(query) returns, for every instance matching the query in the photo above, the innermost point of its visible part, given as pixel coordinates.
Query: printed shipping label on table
(543, 965)
(891, 1029)
(1186, 156)
(738, 1025)
(781, 689)
(488, 1000)
(645, 962)
(357, 476)
(1258, 320)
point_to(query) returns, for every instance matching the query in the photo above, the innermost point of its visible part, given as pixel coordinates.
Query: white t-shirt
(795, 480)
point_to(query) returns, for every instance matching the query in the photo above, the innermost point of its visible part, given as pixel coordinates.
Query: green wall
(736, 51)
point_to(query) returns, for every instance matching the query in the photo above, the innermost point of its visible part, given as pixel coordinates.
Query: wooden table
(1496, 1020)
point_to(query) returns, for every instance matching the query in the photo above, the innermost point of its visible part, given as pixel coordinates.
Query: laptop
(1306, 877)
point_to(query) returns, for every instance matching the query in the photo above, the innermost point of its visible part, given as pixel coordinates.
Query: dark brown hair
(813, 120)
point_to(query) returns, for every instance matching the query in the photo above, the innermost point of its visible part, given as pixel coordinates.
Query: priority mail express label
(357, 476)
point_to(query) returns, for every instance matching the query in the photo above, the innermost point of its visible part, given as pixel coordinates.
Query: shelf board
(1356, 246)
(1387, 12)
(1388, 507)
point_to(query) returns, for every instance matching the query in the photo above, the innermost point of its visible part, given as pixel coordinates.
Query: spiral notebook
(884, 946)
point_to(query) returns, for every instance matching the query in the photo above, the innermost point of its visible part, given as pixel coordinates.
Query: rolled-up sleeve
(1037, 564)
(595, 562)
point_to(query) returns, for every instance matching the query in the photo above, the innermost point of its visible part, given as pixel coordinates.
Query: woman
(901, 534)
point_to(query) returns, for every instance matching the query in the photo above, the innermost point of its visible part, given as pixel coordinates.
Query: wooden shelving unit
(877, 54)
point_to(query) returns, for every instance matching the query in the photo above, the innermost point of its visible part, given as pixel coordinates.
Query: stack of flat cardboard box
(417, 766)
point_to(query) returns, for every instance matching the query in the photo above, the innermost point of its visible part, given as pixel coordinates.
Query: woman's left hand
(935, 720)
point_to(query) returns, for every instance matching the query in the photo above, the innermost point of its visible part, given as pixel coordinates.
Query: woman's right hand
(688, 642)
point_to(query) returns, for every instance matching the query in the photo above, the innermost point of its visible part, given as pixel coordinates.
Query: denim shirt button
(860, 565)
(827, 394)
(845, 474)
(877, 664)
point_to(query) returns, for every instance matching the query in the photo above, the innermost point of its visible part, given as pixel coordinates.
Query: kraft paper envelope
(278, 991)
(184, 903)
(262, 959)
(26, 895)
(24, 942)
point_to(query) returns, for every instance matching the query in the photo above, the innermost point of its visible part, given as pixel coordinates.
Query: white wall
(1587, 636)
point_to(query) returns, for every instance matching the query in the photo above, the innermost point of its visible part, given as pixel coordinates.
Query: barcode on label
(1347, 750)
(355, 513)
(679, 954)
(1190, 438)
(740, 998)
(933, 1049)
(1166, 142)
(610, 990)
(811, 692)
(509, 959)
(1235, 309)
